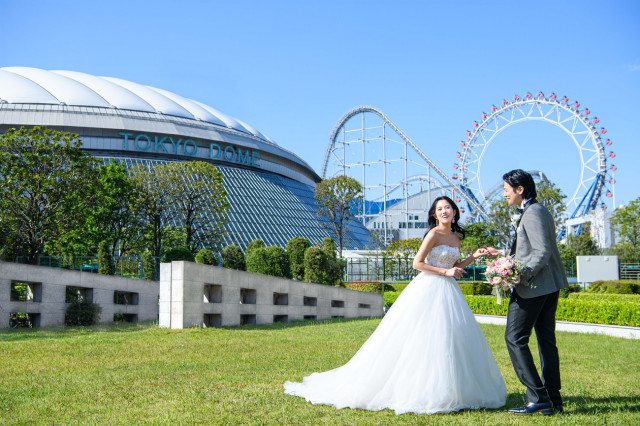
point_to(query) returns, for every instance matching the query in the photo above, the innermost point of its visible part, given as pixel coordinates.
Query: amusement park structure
(399, 179)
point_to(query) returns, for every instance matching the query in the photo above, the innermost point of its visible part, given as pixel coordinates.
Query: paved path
(574, 327)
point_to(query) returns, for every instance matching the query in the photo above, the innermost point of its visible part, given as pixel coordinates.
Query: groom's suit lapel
(515, 236)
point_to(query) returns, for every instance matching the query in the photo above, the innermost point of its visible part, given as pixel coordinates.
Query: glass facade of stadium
(270, 190)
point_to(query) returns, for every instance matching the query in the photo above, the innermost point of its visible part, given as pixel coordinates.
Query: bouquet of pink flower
(503, 274)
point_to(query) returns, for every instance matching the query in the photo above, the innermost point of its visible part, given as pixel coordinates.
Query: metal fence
(125, 266)
(379, 268)
(629, 269)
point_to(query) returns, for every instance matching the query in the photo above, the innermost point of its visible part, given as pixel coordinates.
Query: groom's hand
(493, 252)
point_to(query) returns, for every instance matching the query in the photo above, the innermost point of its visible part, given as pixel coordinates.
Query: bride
(428, 354)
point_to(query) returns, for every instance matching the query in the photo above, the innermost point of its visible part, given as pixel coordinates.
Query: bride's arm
(428, 243)
(476, 255)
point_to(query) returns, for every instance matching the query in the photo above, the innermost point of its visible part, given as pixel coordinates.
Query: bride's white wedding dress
(428, 355)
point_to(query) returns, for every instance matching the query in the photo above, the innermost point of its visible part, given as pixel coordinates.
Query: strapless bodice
(443, 256)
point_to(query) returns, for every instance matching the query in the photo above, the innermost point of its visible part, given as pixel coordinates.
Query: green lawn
(144, 374)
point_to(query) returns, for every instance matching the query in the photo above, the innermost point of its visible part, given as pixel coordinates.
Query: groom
(535, 299)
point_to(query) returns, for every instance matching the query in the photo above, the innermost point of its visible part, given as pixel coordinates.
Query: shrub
(257, 260)
(177, 253)
(277, 262)
(573, 288)
(148, 266)
(206, 257)
(369, 286)
(105, 260)
(619, 311)
(316, 266)
(233, 258)
(295, 249)
(475, 288)
(620, 287)
(329, 247)
(254, 245)
(390, 297)
(399, 286)
(82, 313)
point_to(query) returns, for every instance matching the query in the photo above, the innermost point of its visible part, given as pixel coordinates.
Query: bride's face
(444, 212)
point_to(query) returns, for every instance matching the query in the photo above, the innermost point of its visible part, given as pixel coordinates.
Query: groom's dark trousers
(525, 315)
(534, 302)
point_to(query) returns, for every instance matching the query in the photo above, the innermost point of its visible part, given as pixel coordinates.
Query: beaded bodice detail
(443, 256)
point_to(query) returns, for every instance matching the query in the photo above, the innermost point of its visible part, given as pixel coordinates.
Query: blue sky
(292, 68)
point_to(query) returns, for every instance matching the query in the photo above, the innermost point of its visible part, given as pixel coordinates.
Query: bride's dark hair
(455, 223)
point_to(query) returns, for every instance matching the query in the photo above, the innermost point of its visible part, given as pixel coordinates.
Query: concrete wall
(52, 283)
(195, 295)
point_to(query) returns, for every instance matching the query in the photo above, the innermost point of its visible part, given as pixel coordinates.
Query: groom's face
(513, 195)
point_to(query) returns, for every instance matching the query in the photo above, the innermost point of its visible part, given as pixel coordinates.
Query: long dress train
(428, 355)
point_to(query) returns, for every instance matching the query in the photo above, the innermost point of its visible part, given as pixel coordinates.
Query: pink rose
(496, 280)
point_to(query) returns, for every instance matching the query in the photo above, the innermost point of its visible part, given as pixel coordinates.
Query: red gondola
(484, 115)
(504, 102)
(613, 168)
(604, 206)
(609, 194)
(596, 120)
(468, 133)
(603, 130)
(528, 95)
(553, 95)
(540, 94)
(586, 111)
(458, 155)
(612, 154)
(461, 211)
(565, 99)
(462, 143)
(494, 108)
(458, 200)
(455, 177)
(612, 181)
(475, 124)
(609, 142)
(455, 167)
(576, 104)
(516, 98)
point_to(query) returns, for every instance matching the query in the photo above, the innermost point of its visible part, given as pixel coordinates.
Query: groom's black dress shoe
(542, 408)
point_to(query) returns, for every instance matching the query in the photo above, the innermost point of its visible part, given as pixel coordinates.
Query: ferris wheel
(567, 116)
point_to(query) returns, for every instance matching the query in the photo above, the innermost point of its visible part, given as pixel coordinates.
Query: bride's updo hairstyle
(455, 223)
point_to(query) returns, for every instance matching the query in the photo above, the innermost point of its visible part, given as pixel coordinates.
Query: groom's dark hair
(519, 177)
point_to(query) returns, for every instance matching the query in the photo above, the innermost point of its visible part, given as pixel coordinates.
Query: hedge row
(370, 286)
(618, 311)
(615, 309)
(620, 287)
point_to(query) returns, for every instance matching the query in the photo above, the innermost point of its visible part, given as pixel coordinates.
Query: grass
(144, 374)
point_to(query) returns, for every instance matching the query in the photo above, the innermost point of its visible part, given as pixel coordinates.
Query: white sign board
(596, 268)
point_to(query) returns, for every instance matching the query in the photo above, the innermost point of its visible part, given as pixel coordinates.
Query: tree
(339, 199)
(478, 234)
(550, 196)
(114, 218)
(155, 188)
(403, 248)
(202, 200)
(626, 224)
(48, 186)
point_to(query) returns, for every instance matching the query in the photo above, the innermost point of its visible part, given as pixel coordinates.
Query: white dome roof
(23, 85)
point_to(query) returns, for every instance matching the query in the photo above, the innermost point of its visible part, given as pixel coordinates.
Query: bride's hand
(454, 272)
(493, 252)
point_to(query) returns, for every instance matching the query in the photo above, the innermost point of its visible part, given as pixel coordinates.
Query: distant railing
(379, 268)
(125, 266)
(629, 269)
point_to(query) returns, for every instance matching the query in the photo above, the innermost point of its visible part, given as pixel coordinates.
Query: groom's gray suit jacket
(536, 248)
